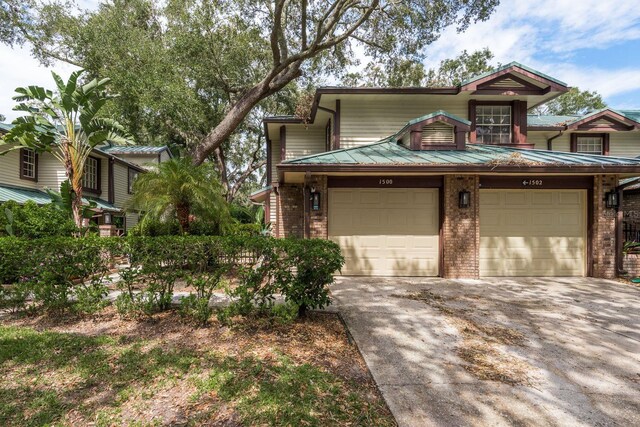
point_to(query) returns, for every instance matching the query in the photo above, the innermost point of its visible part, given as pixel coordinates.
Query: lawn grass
(165, 373)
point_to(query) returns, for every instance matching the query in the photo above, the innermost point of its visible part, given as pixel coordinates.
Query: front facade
(108, 181)
(455, 182)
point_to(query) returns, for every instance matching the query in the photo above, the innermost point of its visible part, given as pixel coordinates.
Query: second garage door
(532, 233)
(386, 232)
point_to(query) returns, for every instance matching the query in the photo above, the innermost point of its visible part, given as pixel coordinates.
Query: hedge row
(61, 273)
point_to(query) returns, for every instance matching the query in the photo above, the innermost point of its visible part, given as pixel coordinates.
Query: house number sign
(385, 181)
(532, 183)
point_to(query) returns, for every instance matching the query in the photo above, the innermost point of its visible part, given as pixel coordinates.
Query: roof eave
(481, 168)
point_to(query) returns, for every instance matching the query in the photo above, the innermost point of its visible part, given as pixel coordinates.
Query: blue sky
(592, 44)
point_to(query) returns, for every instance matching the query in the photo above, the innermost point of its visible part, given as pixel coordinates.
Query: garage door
(386, 232)
(532, 233)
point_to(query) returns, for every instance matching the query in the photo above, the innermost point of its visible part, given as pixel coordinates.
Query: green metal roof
(389, 152)
(262, 190)
(22, 195)
(534, 120)
(512, 64)
(133, 149)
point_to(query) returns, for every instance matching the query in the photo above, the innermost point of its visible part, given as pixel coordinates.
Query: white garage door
(386, 232)
(533, 233)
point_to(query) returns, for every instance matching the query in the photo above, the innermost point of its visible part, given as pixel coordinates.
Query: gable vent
(437, 134)
(507, 83)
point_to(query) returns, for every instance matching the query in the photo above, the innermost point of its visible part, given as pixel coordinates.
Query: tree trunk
(76, 193)
(238, 112)
(182, 212)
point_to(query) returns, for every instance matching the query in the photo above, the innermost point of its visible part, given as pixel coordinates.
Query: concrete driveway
(523, 351)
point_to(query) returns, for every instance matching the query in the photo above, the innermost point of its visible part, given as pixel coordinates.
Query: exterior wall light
(612, 200)
(464, 199)
(315, 200)
(107, 218)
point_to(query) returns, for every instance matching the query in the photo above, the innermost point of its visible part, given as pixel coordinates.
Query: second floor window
(28, 164)
(589, 145)
(493, 124)
(91, 174)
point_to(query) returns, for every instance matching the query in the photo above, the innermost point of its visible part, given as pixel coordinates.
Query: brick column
(318, 226)
(107, 230)
(460, 229)
(603, 236)
(290, 211)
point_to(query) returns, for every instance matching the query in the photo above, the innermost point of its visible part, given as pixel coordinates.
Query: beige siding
(562, 143)
(275, 159)
(50, 172)
(624, 144)
(539, 139)
(272, 210)
(141, 160)
(132, 220)
(10, 170)
(120, 184)
(304, 142)
(370, 119)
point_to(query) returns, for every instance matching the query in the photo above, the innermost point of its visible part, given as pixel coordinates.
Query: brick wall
(290, 212)
(604, 226)
(631, 208)
(461, 231)
(318, 224)
(631, 265)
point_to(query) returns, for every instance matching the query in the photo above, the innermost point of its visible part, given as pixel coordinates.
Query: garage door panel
(532, 233)
(379, 239)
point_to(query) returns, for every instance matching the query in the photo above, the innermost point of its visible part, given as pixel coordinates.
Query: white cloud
(18, 68)
(546, 34)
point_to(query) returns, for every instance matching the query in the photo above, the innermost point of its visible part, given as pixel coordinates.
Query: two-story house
(108, 179)
(454, 181)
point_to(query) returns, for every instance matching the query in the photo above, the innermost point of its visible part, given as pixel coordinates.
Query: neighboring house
(455, 181)
(108, 180)
(142, 155)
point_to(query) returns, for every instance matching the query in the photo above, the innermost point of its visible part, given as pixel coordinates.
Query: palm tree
(177, 188)
(66, 124)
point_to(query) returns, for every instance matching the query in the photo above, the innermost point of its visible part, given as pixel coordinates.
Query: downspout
(550, 140)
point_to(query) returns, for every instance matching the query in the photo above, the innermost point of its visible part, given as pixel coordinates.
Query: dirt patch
(483, 346)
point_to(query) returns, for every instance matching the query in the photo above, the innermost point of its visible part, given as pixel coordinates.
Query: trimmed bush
(63, 273)
(34, 222)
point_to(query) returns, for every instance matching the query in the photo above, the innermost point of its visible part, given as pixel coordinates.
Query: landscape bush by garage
(69, 273)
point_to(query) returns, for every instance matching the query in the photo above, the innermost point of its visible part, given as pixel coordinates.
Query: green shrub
(153, 228)
(312, 264)
(34, 222)
(59, 270)
(14, 297)
(65, 273)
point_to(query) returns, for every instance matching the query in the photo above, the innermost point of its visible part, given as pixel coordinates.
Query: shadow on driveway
(581, 347)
